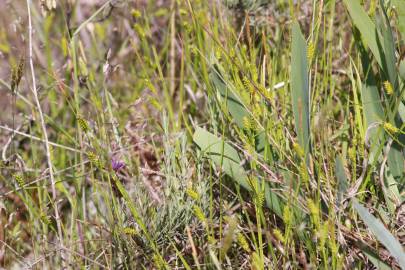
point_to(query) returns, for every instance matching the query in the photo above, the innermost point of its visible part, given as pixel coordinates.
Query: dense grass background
(234, 134)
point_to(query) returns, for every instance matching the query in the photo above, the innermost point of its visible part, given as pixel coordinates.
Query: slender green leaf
(381, 233)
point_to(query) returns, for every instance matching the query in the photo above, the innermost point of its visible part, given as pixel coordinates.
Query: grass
(202, 134)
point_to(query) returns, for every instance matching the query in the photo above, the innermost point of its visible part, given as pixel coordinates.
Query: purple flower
(117, 165)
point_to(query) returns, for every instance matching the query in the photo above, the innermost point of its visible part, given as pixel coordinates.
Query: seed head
(310, 51)
(388, 87)
(19, 179)
(198, 212)
(194, 195)
(243, 243)
(83, 124)
(391, 128)
(93, 158)
(279, 235)
(129, 231)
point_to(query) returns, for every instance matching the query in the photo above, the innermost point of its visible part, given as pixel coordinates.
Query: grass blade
(381, 233)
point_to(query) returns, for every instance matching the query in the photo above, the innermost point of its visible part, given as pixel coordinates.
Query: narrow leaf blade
(381, 233)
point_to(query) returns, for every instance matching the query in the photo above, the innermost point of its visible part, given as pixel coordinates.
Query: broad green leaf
(234, 104)
(402, 70)
(396, 164)
(401, 111)
(372, 109)
(400, 10)
(342, 179)
(374, 114)
(300, 87)
(388, 46)
(366, 27)
(395, 156)
(381, 233)
(236, 107)
(376, 261)
(224, 155)
(391, 192)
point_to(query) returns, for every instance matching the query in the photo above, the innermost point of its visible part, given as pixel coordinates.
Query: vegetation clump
(233, 134)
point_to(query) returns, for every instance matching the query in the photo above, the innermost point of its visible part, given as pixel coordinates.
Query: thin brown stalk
(45, 134)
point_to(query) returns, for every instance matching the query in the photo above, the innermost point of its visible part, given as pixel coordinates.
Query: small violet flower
(117, 165)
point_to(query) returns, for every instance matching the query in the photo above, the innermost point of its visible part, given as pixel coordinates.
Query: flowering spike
(391, 128)
(388, 87)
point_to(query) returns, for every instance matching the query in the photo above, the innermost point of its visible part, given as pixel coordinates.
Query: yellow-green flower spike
(279, 235)
(391, 128)
(83, 124)
(388, 88)
(19, 179)
(192, 194)
(243, 243)
(198, 212)
(310, 51)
